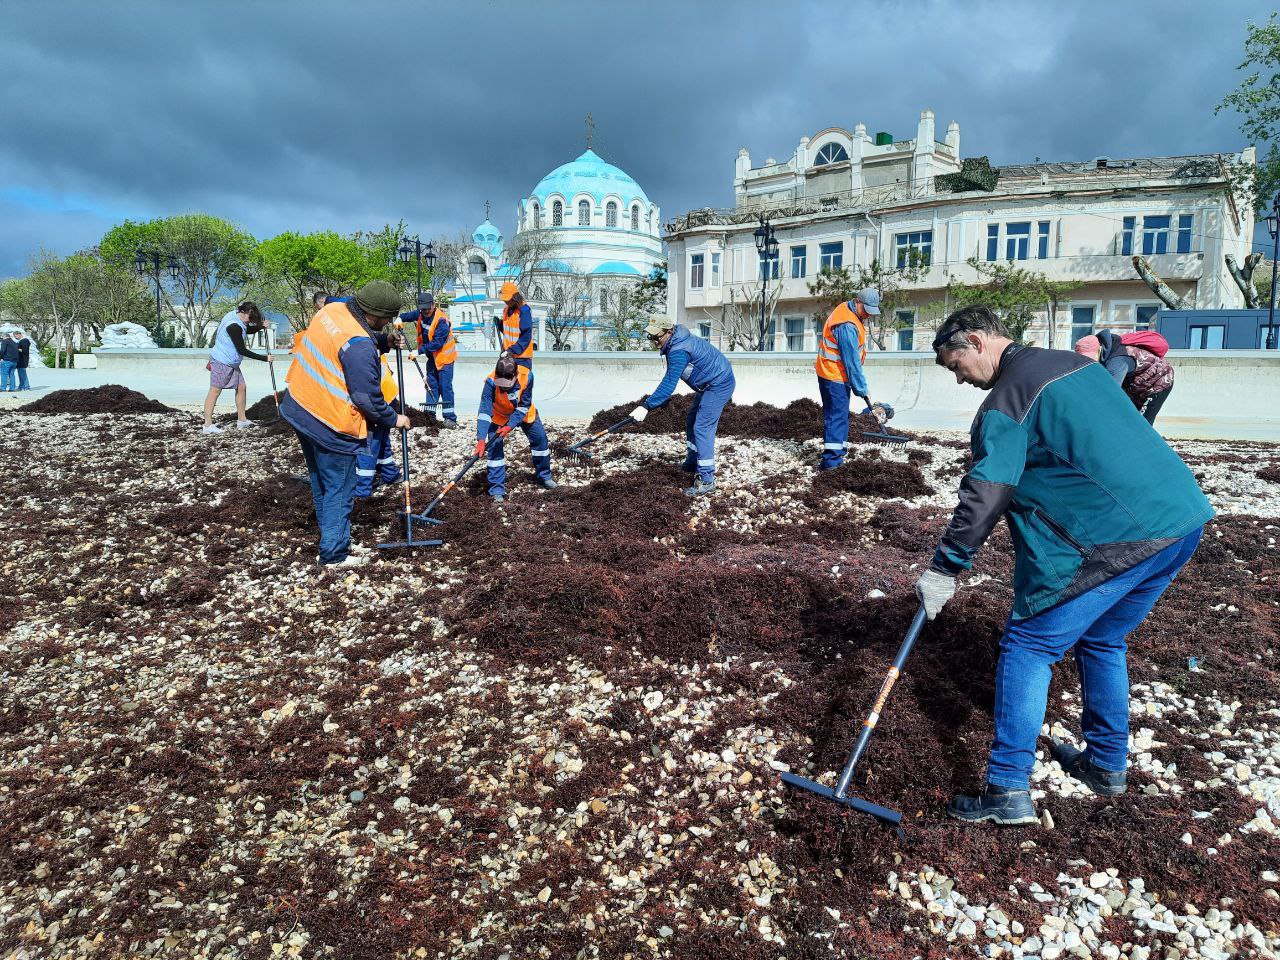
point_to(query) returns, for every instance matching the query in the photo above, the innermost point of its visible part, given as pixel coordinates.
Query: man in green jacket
(1103, 515)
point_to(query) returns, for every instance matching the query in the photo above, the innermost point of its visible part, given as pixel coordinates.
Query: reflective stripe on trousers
(701, 424)
(539, 450)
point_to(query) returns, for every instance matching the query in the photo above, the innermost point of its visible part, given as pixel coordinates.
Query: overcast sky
(344, 116)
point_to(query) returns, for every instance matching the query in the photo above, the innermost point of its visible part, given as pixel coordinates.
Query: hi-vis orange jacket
(517, 332)
(829, 365)
(316, 380)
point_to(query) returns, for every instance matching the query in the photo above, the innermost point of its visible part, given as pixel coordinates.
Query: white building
(844, 199)
(597, 235)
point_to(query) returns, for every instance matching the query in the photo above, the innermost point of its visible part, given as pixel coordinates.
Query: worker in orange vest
(438, 346)
(517, 325)
(335, 394)
(507, 402)
(841, 354)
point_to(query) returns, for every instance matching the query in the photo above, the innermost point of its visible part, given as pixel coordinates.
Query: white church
(585, 236)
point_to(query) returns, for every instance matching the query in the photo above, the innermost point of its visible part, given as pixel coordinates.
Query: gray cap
(869, 297)
(426, 301)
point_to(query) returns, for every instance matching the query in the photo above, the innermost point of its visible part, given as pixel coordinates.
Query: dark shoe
(688, 468)
(450, 425)
(700, 487)
(498, 498)
(1009, 808)
(548, 484)
(1105, 783)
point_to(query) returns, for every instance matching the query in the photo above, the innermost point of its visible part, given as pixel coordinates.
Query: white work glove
(639, 413)
(934, 590)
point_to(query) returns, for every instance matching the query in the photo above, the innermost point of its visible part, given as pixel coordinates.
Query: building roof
(489, 238)
(616, 266)
(591, 175)
(1191, 167)
(507, 270)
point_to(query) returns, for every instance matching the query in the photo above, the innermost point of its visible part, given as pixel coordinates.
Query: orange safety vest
(502, 405)
(829, 365)
(511, 332)
(449, 352)
(315, 379)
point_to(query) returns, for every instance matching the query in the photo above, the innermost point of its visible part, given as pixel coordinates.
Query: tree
(212, 257)
(742, 314)
(570, 307)
(629, 310)
(64, 292)
(1157, 286)
(1257, 101)
(1013, 292)
(840, 285)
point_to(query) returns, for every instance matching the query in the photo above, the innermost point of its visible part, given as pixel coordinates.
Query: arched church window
(557, 296)
(611, 214)
(557, 213)
(476, 267)
(831, 153)
(584, 213)
(635, 217)
(604, 300)
(538, 293)
(622, 300)
(537, 216)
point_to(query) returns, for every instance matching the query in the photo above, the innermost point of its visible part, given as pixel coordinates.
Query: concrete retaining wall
(1226, 393)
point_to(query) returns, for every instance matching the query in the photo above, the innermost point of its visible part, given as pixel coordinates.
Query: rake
(467, 465)
(408, 542)
(577, 451)
(275, 390)
(840, 794)
(883, 435)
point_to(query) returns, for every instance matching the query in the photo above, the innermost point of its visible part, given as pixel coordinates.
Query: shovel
(577, 450)
(841, 793)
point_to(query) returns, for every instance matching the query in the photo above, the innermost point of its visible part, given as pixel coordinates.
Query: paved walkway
(188, 395)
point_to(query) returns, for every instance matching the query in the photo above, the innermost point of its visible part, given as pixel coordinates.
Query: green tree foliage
(1014, 293)
(63, 293)
(1257, 101)
(832, 287)
(213, 257)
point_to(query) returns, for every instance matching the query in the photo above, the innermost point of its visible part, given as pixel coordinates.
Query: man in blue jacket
(1103, 515)
(707, 371)
(335, 395)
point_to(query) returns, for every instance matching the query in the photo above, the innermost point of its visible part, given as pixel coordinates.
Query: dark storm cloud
(345, 116)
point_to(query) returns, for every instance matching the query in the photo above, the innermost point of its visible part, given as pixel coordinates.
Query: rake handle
(275, 390)
(603, 433)
(869, 724)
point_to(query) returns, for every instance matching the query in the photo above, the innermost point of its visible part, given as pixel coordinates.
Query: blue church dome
(590, 175)
(489, 238)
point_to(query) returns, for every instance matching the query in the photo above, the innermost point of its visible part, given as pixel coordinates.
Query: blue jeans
(333, 488)
(835, 421)
(700, 428)
(1096, 624)
(23, 382)
(7, 380)
(539, 450)
(440, 389)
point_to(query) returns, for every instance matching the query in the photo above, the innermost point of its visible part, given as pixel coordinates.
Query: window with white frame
(539, 293)
(1155, 234)
(1017, 241)
(906, 329)
(557, 213)
(770, 264)
(799, 265)
(830, 153)
(993, 241)
(611, 214)
(704, 331)
(623, 299)
(1127, 226)
(1082, 319)
(697, 263)
(584, 213)
(715, 270)
(920, 241)
(1042, 240)
(537, 215)
(1184, 232)
(604, 299)
(794, 327)
(831, 255)
(1144, 315)
(635, 217)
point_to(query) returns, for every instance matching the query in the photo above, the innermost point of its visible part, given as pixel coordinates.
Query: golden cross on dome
(486, 209)
(591, 126)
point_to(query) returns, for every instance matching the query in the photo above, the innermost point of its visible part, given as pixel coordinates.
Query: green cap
(380, 298)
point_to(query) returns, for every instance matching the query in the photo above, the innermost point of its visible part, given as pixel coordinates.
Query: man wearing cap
(335, 394)
(436, 344)
(517, 325)
(841, 353)
(707, 371)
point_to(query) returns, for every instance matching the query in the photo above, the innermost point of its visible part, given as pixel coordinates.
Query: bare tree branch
(1158, 286)
(1243, 276)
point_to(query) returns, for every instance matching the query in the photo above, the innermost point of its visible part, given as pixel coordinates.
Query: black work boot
(1009, 808)
(1105, 783)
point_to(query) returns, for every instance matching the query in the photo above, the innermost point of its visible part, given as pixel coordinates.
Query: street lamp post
(148, 263)
(413, 250)
(1273, 225)
(767, 247)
